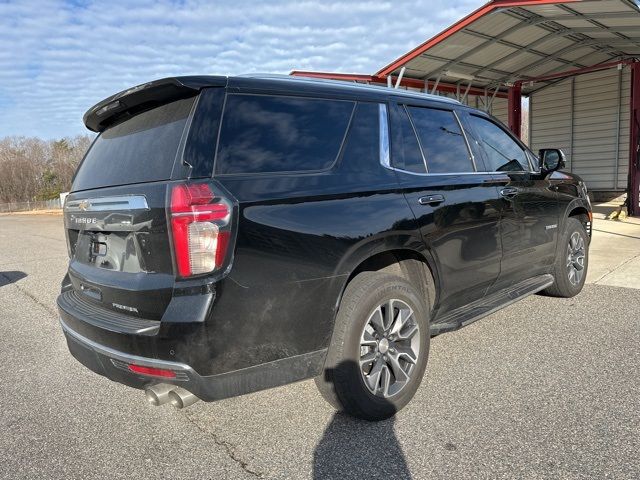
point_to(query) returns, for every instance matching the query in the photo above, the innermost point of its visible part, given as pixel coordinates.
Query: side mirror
(551, 160)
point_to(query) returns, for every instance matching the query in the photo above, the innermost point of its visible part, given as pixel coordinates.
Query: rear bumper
(113, 364)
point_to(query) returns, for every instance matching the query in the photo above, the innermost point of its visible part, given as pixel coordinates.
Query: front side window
(442, 141)
(502, 153)
(267, 134)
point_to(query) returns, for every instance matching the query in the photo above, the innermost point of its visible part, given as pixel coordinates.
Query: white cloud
(58, 58)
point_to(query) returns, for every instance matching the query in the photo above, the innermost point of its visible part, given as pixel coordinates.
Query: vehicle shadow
(355, 449)
(10, 276)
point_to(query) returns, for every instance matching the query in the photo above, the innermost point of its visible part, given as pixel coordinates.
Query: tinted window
(406, 151)
(502, 153)
(141, 149)
(200, 148)
(362, 148)
(280, 134)
(443, 144)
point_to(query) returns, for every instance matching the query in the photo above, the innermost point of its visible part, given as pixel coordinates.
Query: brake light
(154, 372)
(200, 225)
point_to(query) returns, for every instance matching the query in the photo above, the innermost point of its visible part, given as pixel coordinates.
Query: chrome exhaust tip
(158, 394)
(181, 398)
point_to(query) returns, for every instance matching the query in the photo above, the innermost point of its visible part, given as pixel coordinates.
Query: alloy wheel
(576, 254)
(389, 348)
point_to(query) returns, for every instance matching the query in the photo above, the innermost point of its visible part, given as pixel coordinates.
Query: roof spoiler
(143, 97)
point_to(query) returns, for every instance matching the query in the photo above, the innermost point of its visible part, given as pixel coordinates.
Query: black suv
(228, 235)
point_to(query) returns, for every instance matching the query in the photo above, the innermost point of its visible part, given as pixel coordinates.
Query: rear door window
(442, 141)
(406, 150)
(269, 134)
(140, 149)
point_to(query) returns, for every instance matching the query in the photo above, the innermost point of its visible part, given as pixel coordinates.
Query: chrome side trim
(125, 357)
(385, 156)
(101, 204)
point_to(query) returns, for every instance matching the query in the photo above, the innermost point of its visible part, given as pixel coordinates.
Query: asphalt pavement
(546, 388)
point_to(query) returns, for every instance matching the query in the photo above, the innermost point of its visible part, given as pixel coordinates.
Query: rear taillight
(200, 223)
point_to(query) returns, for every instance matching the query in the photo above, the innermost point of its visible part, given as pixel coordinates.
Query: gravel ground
(546, 388)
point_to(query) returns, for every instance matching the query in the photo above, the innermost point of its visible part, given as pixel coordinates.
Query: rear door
(454, 205)
(528, 204)
(116, 217)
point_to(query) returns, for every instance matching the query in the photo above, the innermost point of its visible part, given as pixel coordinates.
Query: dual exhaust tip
(164, 393)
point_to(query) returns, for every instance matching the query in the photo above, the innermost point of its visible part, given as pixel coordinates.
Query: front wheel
(570, 269)
(378, 353)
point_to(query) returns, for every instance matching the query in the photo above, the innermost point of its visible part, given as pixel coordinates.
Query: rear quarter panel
(300, 237)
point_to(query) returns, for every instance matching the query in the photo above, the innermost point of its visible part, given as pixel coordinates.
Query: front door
(455, 207)
(528, 203)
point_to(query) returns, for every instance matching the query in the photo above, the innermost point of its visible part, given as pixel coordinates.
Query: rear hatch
(116, 217)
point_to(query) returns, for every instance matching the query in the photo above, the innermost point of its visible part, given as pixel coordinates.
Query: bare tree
(35, 169)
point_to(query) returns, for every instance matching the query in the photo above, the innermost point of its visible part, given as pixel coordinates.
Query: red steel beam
(633, 202)
(514, 106)
(405, 82)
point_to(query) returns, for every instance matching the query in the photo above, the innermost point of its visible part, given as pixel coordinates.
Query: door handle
(509, 192)
(431, 199)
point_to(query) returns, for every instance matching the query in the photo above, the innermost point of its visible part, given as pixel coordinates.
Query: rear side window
(442, 141)
(362, 147)
(268, 134)
(140, 149)
(502, 153)
(199, 150)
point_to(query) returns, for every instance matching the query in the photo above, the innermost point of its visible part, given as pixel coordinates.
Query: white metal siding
(588, 117)
(550, 119)
(500, 110)
(496, 106)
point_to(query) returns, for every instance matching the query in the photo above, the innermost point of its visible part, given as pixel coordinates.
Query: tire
(569, 279)
(376, 394)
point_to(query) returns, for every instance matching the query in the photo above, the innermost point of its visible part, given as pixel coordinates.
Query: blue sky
(58, 58)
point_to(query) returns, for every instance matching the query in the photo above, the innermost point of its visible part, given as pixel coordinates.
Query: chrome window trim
(508, 172)
(101, 204)
(450, 174)
(383, 125)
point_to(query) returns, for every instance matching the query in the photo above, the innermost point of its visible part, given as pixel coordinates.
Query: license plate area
(98, 249)
(116, 251)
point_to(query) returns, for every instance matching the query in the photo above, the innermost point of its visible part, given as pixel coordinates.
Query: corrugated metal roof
(517, 41)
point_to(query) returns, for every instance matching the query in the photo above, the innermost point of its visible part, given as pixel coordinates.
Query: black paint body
(299, 237)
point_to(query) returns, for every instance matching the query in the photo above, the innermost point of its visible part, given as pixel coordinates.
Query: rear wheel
(379, 348)
(570, 269)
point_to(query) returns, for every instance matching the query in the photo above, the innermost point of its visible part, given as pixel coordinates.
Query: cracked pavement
(546, 388)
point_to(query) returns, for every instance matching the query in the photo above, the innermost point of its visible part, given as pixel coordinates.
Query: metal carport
(575, 60)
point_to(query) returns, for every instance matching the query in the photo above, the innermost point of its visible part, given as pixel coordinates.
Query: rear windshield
(141, 149)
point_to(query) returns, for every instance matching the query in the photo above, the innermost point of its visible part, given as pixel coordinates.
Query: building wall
(588, 117)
